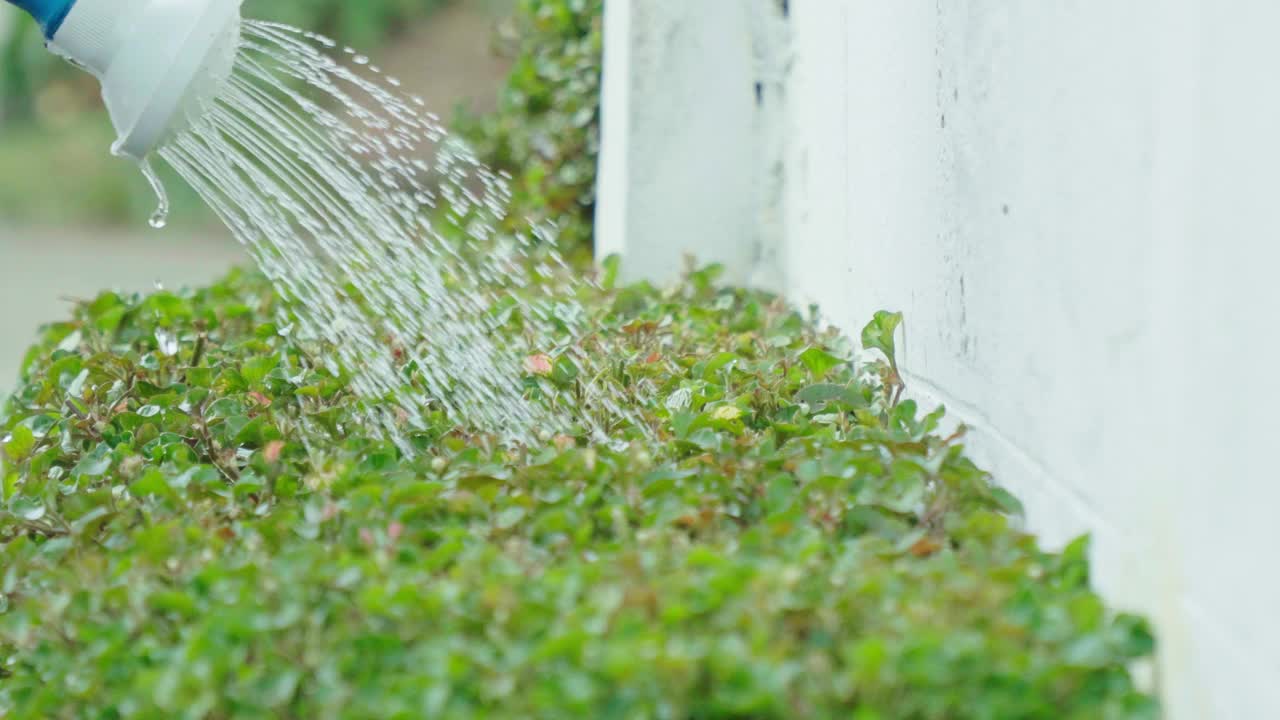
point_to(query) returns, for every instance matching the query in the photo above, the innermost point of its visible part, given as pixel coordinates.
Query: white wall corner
(692, 149)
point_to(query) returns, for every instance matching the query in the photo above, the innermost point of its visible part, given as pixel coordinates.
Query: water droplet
(160, 217)
(349, 187)
(679, 400)
(167, 340)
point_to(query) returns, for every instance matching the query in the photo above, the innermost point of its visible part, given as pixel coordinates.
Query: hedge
(193, 526)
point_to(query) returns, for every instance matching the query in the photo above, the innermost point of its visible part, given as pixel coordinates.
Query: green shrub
(193, 526)
(546, 132)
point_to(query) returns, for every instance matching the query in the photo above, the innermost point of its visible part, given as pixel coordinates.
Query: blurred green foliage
(193, 524)
(28, 69)
(365, 24)
(52, 127)
(78, 182)
(546, 132)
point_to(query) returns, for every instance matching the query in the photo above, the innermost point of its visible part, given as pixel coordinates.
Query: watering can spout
(160, 62)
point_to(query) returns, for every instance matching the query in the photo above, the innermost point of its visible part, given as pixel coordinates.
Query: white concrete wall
(689, 162)
(1075, 205)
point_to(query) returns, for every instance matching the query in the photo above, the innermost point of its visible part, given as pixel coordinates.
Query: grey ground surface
(40, 268)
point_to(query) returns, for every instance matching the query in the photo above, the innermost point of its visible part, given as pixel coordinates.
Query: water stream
(355, 201)
(160, 218)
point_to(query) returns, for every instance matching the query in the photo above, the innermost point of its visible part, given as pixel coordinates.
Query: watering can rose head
(160, 62)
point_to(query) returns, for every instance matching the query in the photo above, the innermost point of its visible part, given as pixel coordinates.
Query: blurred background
(73, 218)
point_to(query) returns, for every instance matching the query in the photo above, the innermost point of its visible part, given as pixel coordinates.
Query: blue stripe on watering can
(49, 13)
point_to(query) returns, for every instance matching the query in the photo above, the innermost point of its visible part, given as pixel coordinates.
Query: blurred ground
(42, 269)
(447, 59)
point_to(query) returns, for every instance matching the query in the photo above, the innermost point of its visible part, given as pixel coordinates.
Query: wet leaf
(256, 370)
(27, 508)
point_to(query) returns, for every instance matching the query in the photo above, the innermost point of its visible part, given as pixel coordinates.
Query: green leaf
(149, 411)
(110, 319)
(1007, 501)
(879, 335)
(780, 494)
(510, 517)
(718, 363)
(820, 362)
(27, 508)
(172, 601)
(822, 395)
(256, 370)
(95, 464)
(153, 482)
(1133, 637)
(20, 443)
(564, 371)
(169, 308)
(90, 519)
(612, 266)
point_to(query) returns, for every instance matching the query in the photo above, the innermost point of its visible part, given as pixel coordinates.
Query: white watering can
(159, 61)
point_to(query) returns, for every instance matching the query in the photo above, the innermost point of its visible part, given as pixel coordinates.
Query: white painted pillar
(1073, 203)
(690, 162)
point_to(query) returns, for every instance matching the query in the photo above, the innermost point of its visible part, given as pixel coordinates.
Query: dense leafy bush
(546, 132)
(192, 526)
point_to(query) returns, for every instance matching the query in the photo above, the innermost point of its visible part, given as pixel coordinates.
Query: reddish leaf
(538, 365)
(925, 546)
